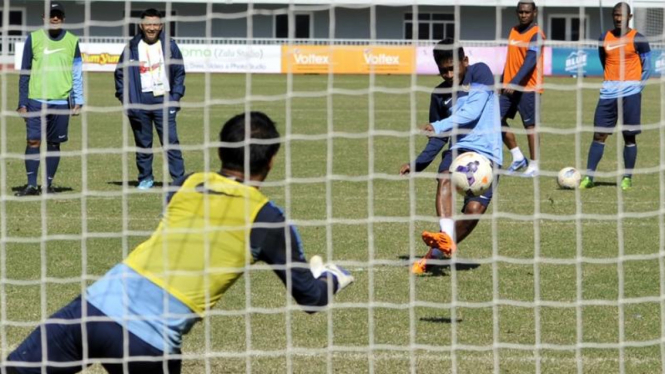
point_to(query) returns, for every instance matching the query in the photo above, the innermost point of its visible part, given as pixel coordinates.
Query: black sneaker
(49, 190)
(28, 190)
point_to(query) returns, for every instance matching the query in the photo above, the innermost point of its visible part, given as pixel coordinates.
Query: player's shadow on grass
(444, 267)
(604, 184)
(134, 183)
(440, 320)
(57, 189)
(596, 184)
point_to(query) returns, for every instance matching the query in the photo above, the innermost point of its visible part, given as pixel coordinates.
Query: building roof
(485, 3)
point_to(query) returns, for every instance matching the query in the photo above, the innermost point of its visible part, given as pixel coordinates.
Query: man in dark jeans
(149, 81)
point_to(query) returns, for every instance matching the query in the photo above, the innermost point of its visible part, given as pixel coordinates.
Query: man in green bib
(50, 89)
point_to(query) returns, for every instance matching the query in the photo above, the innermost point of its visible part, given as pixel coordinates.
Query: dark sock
(52, 161)
(629, 158)
(32, 164)
(595, 154)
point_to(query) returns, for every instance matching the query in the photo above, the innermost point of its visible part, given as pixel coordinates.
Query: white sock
(533, 165)
(448, 226)
(517, 154)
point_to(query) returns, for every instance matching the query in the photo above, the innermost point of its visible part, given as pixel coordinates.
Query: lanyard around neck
(147, 53)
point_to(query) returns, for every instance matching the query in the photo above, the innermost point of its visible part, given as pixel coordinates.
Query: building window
(429, 26)
(302, 24)
(13, 28)
(15, 22)
(567, 28)
(133, 28)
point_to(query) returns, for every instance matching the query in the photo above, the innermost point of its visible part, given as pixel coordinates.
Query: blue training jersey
(475, 123)
(441, 101)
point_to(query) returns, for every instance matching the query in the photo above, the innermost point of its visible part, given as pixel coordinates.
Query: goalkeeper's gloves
(321, 270)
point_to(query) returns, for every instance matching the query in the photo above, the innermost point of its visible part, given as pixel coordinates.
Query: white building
(562, 20)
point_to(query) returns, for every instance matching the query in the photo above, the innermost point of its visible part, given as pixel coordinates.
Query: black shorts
(607, 114)
(64, 346)
(524, 102)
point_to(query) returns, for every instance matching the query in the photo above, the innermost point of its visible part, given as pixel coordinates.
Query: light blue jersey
(144, 308)
(476, 122)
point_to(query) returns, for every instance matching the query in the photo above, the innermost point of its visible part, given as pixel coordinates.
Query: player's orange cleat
(420, 266)
(440, 240)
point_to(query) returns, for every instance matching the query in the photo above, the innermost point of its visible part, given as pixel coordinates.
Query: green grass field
(549, 294)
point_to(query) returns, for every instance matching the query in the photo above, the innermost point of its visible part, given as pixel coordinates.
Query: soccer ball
(471, 174)
(569, 178)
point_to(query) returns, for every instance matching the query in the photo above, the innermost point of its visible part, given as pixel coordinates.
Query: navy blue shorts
(524, 102)
(56, 117)
(64, 346)
(444, 167)
(607, 114)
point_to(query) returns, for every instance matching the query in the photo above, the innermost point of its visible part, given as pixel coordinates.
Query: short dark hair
(261, 128)
(620, 4)
(533, 4)
(443, 51)
(152, 12)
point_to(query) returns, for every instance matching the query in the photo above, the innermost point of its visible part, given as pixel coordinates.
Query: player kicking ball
(216, 224)
(473, 126)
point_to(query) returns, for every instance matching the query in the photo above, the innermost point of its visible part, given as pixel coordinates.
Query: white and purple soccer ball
(471, 174)
(569, 178)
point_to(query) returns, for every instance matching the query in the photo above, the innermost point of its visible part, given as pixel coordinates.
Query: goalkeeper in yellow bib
(215, 225)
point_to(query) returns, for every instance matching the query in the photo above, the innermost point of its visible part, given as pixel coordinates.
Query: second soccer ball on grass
(569, 178)
(471, 174)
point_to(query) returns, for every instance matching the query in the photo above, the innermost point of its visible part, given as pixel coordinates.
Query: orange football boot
(420, 266)
(440, 240)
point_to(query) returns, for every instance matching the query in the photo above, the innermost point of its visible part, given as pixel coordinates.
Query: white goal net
(550, 279)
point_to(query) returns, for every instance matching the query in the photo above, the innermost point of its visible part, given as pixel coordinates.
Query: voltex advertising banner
(344, 59)
(494, 57)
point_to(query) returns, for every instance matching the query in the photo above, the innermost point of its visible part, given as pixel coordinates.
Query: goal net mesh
(550, 280)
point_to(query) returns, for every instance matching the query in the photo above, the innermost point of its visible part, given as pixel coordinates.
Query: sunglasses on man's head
(57, 14)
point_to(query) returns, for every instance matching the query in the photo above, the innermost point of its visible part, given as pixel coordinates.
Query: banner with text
(658, 58)
(341, 59)
(95, 56)
(100, 57)
(586, 61)
(573, 61)
(213, 58)
(494, 57)
(197, 57)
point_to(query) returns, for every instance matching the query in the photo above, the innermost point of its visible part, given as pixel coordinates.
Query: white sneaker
(145, 184)
(531, 172)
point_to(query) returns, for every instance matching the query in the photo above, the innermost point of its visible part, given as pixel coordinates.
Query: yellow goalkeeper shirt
(201, 246)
